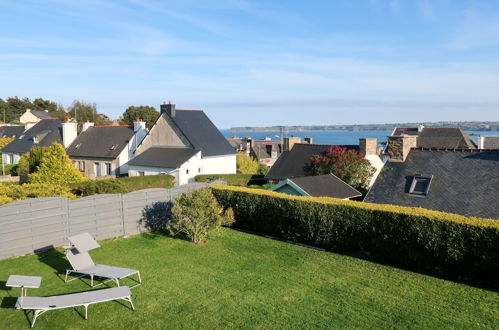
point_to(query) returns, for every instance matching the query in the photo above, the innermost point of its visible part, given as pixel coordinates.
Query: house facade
(41, 134)
(183, 143)
(104, 151)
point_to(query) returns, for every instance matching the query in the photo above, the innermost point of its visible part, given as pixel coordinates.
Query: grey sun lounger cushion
(83, 242)
(40, 305)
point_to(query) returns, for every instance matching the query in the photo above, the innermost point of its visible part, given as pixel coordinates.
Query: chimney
(481, 141)
(249, 145)
(399, 147)
(168, 108)
(308, 139)
(368, 146)
(289, 142)
(68, 133)
(86, 125)
(420, 128)
(138, 125)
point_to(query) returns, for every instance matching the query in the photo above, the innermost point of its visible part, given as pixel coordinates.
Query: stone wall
(399, 146)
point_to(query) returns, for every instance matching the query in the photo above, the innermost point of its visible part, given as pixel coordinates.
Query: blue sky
(259, 62)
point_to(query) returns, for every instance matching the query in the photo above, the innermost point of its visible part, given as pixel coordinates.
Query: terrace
(239, 280)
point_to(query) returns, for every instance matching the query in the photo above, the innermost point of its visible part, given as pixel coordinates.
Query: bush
(33, 190)
(196, 213)
(106, 186)
(411, 237)
(150, 181)
(233, 179)
(5, 199)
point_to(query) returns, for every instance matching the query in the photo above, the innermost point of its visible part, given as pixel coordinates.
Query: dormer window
(35, 139)
(420, 185)
(77, 146)
(113, 146)
(21, 136)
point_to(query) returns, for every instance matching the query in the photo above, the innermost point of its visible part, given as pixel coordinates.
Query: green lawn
(239, 280)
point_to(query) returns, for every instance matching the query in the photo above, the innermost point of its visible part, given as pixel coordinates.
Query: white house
(34, 116)
(183, 143)
(101, 151)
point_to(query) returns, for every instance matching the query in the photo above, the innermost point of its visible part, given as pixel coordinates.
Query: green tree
(30, 161)
(83, 112)
(55, 167)
(245, 164)
(55, 109)
(196, 213)
(143, 112)
(346, 164)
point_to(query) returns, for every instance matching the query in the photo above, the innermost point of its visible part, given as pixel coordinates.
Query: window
(77, 146)
(187, 171)
(109, 169)
(199, 170)
(97, 169)
(82, 166)
(420, 185)
(35, 139)
(141, 173)
(11, 159)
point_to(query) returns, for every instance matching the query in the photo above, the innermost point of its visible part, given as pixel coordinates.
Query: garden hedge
(233, 179)
(122, 185)
(415, 238)
(13, 192)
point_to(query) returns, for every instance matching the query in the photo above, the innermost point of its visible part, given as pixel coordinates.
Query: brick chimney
(86, 125)
(399, 147)
(368, 146)
(289, 142)
(168, 108)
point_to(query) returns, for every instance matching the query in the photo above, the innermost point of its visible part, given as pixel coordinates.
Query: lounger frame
(93, 275)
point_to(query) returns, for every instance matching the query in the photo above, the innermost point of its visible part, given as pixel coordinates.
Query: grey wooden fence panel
(38, 223)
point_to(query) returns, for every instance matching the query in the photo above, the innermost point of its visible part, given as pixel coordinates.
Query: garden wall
(35, 224)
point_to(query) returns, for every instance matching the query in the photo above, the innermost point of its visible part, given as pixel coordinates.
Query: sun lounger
(41, 305)
(83, 264)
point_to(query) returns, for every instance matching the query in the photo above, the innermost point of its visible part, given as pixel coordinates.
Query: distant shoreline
(484, 126)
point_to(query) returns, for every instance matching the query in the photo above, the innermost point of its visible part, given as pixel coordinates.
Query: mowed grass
(239, 280)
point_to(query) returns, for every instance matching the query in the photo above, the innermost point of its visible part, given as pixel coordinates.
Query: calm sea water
(329, 137)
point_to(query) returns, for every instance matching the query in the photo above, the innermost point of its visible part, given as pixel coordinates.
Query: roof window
(113, 146)
(420, 185)
(36, 139)
(77, 146)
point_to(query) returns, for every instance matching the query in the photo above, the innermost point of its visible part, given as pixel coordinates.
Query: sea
(328, 137)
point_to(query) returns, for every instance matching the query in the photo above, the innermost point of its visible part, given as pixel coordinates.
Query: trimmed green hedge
(13, 192)
(122, 185)
(233, 179)
(411, 237)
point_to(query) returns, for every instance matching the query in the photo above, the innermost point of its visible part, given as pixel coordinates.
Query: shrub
(196, 213)
(55, 167)
(245, 164)
(411, 237)
(33, 190)
(150, 181)
(4, 141)
(233, 179)
(105, 186)
(30, 161)
(5, 199)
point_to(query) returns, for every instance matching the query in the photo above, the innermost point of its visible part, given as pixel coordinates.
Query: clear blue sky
(259, 62)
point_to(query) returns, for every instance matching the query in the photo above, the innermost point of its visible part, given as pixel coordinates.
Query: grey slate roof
(41, 114)
(98, 142)
(439, 137)
(327, 185)
(202, 133)
(11, 131)
(290, 164)
(163, 157)
(264, 149)
(491, 142)
(463, 182)
(47, 130)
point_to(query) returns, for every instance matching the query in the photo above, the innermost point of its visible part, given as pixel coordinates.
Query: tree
(196, 213)
(143, 112)
(55, 167)
(30, 161)
(83, 112)
(245, 164)
(55, 109)
(346, 164)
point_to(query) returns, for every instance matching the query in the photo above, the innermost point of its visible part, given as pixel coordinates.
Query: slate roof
(439, 137)
(263, 149)
(327, 185)
(290, 164)
(47, 130)
(101, 142)
(463, 182)
(202, 133)
(11, 131)
(41, 114)
(163, 157)
(491, 142)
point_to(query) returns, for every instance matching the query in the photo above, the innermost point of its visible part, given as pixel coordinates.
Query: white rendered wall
(377, 162)
(219, 164)
(6, 158)
(128, 152)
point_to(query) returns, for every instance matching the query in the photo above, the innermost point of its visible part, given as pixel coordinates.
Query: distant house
(105, 150)
(437, 137)
(292, 161)
(41, 134)
(34, 116)
(461, 181)
(183, 143)
(488, 142)
(11, 131)
(327, 185)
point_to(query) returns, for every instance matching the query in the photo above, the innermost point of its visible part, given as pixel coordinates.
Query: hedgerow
(410, 237)
(233, 179)
(15, 192)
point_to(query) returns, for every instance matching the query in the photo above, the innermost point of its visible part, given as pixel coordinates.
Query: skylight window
(114, 146)
(35, 139)
(77, 146)
(420, 185)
